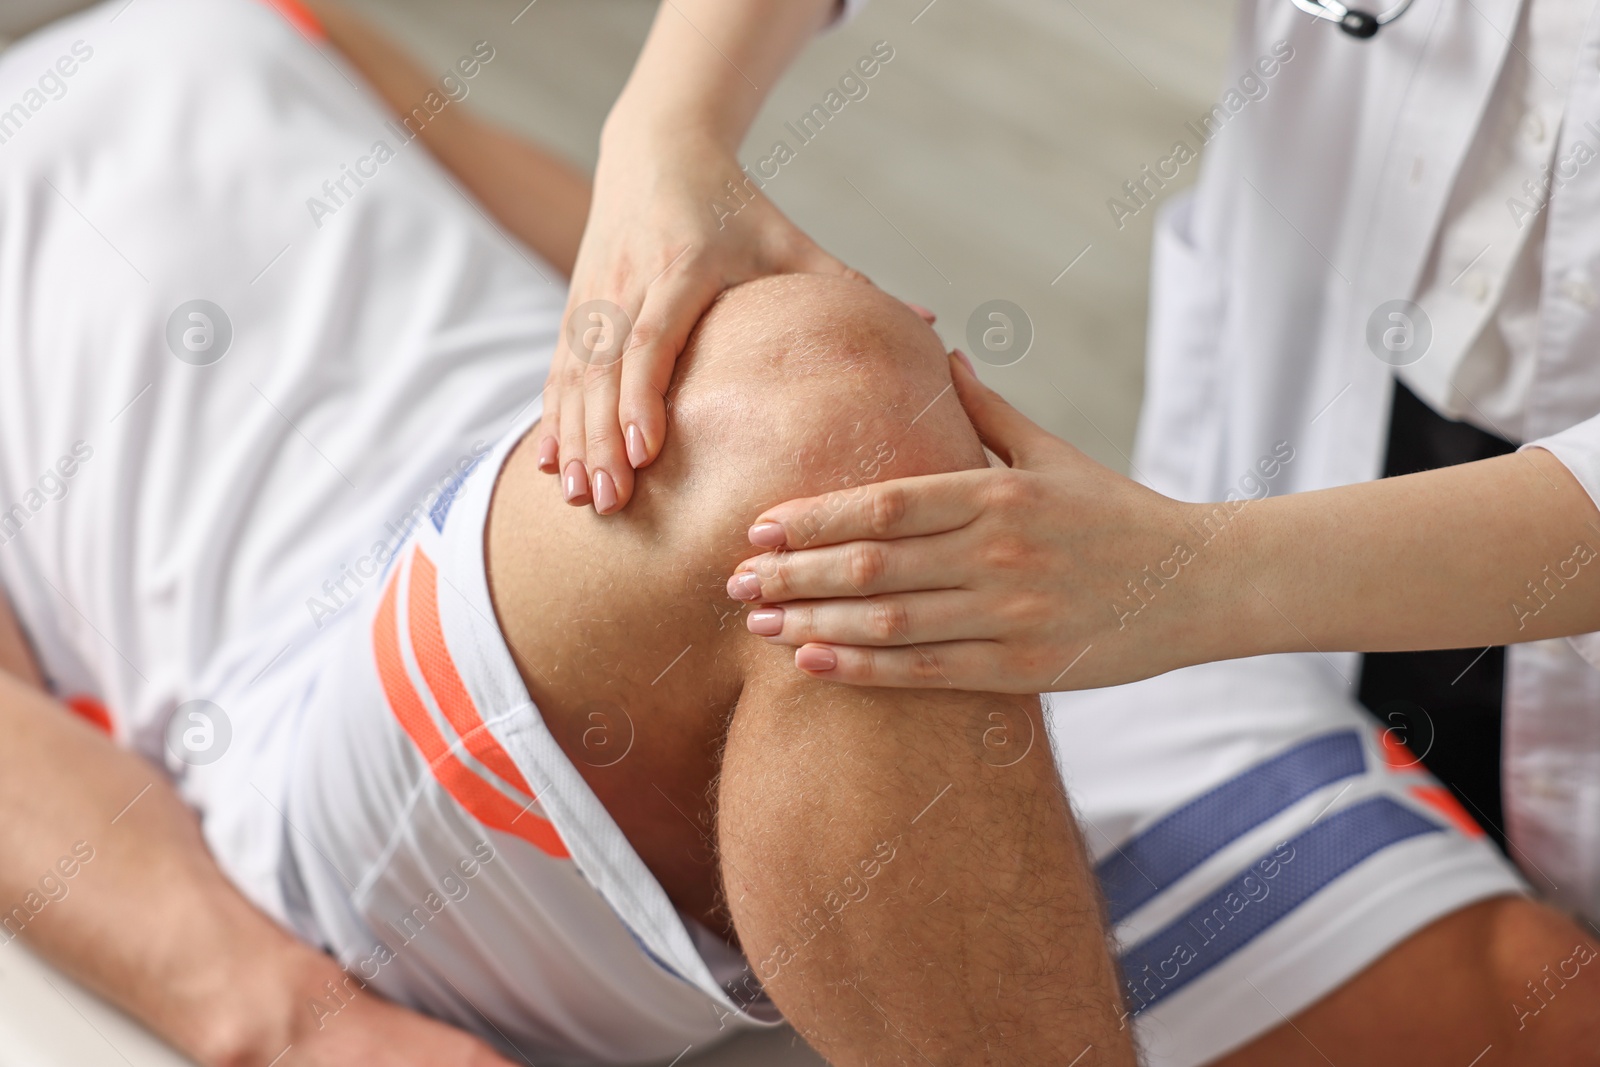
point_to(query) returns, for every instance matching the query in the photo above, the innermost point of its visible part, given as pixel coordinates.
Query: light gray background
(978, 167)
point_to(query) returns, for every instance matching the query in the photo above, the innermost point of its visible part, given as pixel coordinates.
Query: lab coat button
(1534, 127)
(1578, 290)
(1477, 286)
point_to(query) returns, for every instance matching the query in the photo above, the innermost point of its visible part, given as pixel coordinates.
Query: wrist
(646, 120)
(1230, 615)
(265, 1009)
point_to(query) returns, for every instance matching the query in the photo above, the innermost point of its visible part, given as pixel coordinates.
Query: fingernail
(638, 454)
(605, 493)
(922, 313)
(766, 622)
(548, 452)
(744, 586)
(768, 535)
(812, 658)
(576, 482)
(965, 362)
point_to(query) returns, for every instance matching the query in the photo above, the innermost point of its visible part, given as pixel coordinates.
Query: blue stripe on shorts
(1181, 841)
(1261, 894)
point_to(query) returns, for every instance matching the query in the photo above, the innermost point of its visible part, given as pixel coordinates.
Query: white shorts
(449, 853)
(1258, 840)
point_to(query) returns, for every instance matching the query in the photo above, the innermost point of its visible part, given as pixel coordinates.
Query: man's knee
(800, 385)
(789, 387)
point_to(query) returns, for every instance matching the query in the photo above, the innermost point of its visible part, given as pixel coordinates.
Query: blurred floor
(978, 166)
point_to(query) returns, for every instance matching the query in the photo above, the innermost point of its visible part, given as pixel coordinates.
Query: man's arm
(149, 921)
(541, 199)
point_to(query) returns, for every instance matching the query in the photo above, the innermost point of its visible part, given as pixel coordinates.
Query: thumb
(1004, 430)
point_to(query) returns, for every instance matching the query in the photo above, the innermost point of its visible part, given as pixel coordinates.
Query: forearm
(708, 65)
(539, 198)
(148, 920)
(1501, 551)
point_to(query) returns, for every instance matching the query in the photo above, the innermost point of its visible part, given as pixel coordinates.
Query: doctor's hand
(665, 236)
(1015, 579)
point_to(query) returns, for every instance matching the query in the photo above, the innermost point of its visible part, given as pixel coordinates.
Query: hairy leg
(906, 879)
(900, 868)
(1504, 982)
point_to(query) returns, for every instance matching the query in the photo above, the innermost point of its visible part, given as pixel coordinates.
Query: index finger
(672, 306)
(882, 511)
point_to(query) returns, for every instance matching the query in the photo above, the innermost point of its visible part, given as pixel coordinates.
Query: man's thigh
(623, 629)
(446, 848)
(1260, 841)
(1506, 981)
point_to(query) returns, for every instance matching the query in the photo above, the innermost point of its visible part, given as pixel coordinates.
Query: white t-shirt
(186, 503)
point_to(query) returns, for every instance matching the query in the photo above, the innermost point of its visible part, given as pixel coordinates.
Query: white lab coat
(1318, 203)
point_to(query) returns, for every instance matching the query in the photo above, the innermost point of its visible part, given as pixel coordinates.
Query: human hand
(341, 1023)
(663, 239)
(1054, 572)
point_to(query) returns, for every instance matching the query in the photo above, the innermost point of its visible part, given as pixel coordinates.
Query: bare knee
(621, 624)
(804, 384)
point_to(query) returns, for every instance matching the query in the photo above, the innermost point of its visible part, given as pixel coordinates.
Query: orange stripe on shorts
(300, 17)
(1443, 801)
(93, 711)
(1396, 753)
(439, 671)
(482, 800)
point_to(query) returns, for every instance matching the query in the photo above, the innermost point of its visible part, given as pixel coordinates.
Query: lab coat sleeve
(1579, 449)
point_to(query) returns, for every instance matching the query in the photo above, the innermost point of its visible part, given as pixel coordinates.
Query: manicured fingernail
(744, 586)
(766, 622)
(548, 452)
(638, 454)
(965, 362)
(605, 493)
(768, 535)
(575, 483)
(812, 658)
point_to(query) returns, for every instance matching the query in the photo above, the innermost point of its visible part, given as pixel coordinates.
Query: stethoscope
(1356, 23)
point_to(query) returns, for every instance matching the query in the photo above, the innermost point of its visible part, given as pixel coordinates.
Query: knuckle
(773, 570)
(645, 335)
(597, 374)
(1006, 551)
(925, 666)
(886, 510)
(1026, 609)
(868, 665)
(1007, 490)
(864, 564)
(887, 619)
